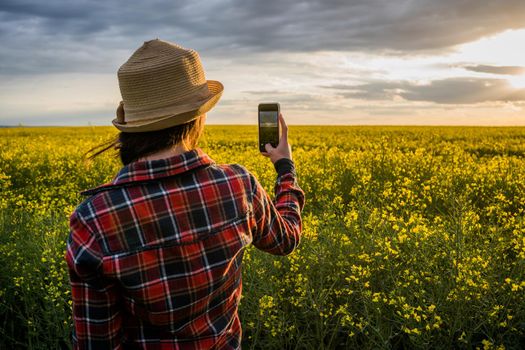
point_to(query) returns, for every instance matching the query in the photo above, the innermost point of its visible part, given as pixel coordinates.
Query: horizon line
(299, 125)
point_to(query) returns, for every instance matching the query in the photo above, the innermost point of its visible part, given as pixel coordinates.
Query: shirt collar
(148, 170)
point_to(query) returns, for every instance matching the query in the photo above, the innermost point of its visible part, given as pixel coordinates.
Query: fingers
(284, 127)
(283, 149)
(269, 149)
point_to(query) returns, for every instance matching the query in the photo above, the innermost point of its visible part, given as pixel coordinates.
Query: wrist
(284, 165)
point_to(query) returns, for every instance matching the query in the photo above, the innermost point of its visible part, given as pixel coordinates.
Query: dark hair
(133, 146)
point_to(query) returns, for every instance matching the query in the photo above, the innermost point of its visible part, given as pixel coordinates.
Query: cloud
(444, 91)
(504, 70)
(294, 100)
(97, 36)
(56, 52)
(358, 25)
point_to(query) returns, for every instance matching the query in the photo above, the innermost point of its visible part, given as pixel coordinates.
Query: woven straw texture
(163, 84)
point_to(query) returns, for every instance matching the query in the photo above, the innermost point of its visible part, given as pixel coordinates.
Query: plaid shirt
(155, 256)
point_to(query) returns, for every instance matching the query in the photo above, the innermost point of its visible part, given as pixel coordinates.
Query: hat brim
(215, 87)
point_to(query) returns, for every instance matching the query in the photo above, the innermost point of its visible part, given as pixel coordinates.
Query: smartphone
(269, 130)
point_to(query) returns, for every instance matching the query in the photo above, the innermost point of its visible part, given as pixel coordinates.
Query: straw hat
(163, 85)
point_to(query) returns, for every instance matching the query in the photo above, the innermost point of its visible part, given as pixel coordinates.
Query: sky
(353, 62)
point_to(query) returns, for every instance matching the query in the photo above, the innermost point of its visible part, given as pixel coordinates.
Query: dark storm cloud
(504, 70)
(445, 91)
(360, 25)
(95, 36)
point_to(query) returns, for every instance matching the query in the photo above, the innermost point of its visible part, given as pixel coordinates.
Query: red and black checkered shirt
(155, 256)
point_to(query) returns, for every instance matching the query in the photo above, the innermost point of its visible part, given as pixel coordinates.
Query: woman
(155, 256)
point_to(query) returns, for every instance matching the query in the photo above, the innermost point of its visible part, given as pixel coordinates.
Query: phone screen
(268, 129)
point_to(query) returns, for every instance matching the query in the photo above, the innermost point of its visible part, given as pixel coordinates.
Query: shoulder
(85, 212)
(230, 170)
(236, 170)
(238, 174)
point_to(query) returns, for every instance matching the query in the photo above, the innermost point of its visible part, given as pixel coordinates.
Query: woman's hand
(283, 149)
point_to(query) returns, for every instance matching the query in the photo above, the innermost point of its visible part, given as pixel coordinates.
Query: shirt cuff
(284, 165)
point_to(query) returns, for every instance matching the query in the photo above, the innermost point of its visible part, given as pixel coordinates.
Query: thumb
(269, 148)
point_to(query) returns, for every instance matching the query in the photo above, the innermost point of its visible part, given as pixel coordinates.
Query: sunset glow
(518, 81)
(503, 49)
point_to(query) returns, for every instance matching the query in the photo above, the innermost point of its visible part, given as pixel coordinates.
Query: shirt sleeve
(96, 315)
(278, 222)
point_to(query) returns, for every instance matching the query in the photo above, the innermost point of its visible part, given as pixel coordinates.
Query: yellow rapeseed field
(414, 237)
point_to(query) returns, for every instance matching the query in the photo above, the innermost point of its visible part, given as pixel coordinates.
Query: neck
(166, 153)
